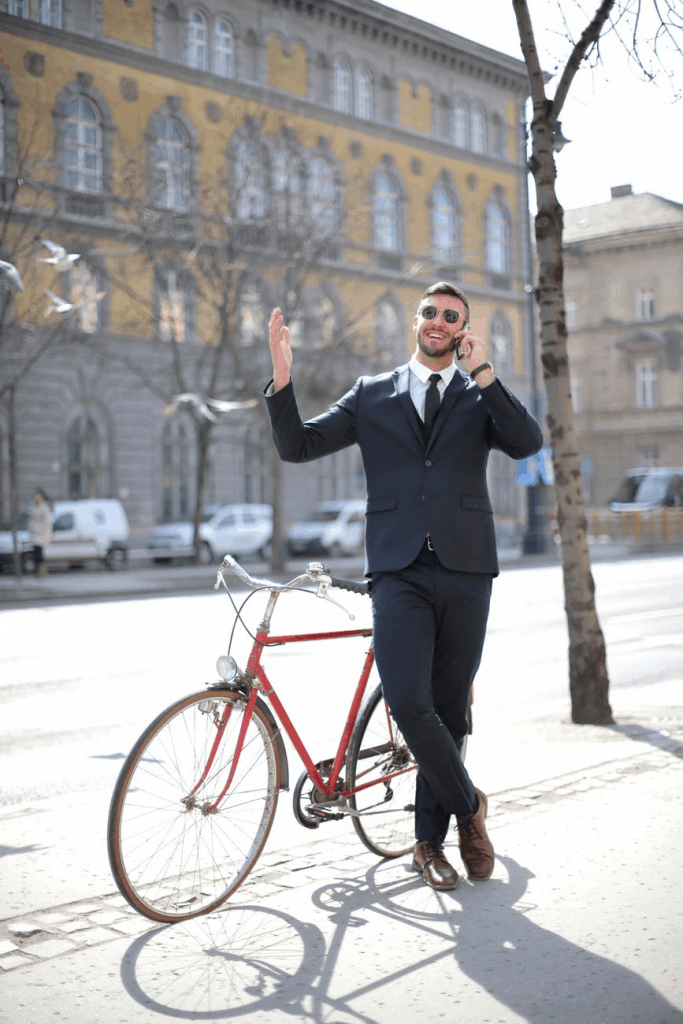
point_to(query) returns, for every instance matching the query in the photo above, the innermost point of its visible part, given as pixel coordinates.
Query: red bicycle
(196, 796)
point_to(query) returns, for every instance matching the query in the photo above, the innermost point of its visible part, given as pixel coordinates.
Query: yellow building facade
(208, 161)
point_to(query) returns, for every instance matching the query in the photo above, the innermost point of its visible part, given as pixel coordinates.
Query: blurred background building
(209, 161)
(624, 305)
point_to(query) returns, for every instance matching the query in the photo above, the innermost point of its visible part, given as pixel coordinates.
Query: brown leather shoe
(476, 848)
(435, 869)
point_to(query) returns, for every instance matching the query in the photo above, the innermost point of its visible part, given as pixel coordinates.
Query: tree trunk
(588, 679)
(203, 443)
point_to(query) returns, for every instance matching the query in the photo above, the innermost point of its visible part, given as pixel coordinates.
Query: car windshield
(653, 489)
(628, 488)
(322, 515)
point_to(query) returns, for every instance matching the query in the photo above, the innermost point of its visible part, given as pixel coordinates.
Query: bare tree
(34, 320)
(266, 217)
(588, 677)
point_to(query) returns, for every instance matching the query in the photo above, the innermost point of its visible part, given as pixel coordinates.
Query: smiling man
(425, 431)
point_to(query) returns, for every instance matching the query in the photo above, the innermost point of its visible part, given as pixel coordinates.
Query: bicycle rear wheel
(172, 857)
(387, 807)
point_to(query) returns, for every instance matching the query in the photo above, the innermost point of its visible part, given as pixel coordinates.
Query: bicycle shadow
(387, 949)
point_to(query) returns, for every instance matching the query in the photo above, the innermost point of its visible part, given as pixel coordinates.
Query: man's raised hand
(280, 349)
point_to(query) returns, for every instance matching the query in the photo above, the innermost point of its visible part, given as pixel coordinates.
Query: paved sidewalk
(582, 922)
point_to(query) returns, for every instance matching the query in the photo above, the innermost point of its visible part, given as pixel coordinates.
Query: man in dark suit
(424, 431)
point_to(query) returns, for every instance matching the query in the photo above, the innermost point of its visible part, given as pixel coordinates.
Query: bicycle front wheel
(173, 854)
(386, 807)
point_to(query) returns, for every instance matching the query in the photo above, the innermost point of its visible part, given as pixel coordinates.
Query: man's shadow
(540, 975)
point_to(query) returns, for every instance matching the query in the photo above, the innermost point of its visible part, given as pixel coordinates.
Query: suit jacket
(415, 489)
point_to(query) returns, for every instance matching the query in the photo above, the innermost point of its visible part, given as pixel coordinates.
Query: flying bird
(9, 271)
(203, 406)
(58, 305)
(60, 259)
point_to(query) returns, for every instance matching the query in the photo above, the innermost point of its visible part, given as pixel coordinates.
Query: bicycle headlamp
(226, 666)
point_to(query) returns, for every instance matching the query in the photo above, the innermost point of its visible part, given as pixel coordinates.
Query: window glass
(82, 147)
(172, 166)
(225, 50)
(172, 308)
(197, 42)
(444, 226)
(249, 181)
(497, 239)
(342, 92)
(364, 94)
(386, 207)
(86, 296)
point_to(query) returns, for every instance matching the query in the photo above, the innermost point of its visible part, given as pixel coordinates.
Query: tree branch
(589, 37)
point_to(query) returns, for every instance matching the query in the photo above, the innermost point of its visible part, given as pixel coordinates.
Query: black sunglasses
(451, 316)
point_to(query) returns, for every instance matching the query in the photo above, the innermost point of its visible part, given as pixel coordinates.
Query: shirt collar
(423, 372)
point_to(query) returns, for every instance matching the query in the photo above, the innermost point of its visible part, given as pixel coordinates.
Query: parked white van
(90, 529)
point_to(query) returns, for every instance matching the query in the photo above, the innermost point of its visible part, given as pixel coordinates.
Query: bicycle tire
(170, 859)
(387, 810)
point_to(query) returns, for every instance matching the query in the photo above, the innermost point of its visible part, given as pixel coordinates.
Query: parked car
(649, 487)
(333, 528)
(88, 529)
(237, 529)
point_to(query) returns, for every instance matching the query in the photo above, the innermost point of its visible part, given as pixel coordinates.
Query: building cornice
(631, 238)
(415, 38)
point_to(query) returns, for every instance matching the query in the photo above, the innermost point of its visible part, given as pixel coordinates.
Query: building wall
(622, 421)
(132, 63)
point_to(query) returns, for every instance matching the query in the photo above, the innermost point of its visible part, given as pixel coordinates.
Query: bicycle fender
(279, 743)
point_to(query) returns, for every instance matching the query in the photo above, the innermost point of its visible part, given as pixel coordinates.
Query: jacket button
(428, 462)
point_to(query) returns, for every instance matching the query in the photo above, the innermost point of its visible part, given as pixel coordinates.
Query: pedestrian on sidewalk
(425, 431)
(40, 530)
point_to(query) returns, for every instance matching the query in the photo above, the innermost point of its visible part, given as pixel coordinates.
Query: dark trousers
(429, 626)
(38, 558)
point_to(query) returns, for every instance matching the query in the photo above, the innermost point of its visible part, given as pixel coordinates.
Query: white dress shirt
(419, 382)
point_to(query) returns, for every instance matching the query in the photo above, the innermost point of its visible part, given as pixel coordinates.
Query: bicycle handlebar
(355, 588)
(315, 573)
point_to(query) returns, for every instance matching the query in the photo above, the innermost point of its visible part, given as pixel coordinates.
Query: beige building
(624, 304)
(167, 140)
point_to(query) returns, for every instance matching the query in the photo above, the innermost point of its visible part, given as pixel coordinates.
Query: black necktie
(432, 402)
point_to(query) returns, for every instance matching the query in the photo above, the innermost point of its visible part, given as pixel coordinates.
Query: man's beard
(436, 353)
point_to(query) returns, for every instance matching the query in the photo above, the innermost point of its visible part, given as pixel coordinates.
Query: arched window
(389, 344)
(478, 130)
(365, 106)
(176, 446)
(342, 91)
(251, 57)
(252, 317)
(387, 235)
(445, 226)
(197, 48)
(172, 166)
(86, 296)
(19, 8)
(500, 338)
(286, 186)
(498, 137)
(171, 32)
(497, 238)
(321, 194)
(82, 147)
(321, 326)
(460, 124)
(224, 49)
(50, 13)
(172, 307)
(87, 459)
(249, 180)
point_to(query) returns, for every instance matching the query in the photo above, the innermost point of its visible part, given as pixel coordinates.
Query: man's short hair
(444, 288)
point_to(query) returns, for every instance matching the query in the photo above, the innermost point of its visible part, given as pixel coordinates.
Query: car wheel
(162, 561)
(116, 559)
(265, 551)
(205, 553)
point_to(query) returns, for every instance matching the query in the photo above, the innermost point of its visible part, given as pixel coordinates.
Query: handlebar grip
(355, 588)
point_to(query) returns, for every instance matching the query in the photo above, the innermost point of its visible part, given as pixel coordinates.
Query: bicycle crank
(310, 808)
